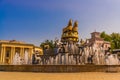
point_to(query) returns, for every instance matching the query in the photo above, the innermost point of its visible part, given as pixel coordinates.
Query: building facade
(8, 49)
(98, 41)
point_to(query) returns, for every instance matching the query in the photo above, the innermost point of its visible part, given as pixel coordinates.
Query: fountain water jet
(16, 59)
(26, 57)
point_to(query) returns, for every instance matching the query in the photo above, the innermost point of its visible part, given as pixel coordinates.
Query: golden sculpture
(70, 33)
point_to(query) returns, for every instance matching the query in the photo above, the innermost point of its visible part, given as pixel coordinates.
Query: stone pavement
(59, 76)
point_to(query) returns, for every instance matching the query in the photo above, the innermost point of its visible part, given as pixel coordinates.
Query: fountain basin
(60, 68)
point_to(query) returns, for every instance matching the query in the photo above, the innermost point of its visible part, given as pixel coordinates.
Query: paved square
(59, 76)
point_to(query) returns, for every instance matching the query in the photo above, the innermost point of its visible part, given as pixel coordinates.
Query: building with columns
(98, 41)
(8, 48)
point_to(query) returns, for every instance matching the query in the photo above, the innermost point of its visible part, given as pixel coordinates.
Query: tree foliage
(50, 43)
(105, 36)
(113, 38)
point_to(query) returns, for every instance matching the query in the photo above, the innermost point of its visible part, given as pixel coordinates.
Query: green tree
(105, 36)
(113, 38)
(50, 43)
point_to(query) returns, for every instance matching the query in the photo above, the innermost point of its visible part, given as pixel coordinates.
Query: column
(12, 54)
(21, 55)
(22, 52)
(1, 56)
(4, 53)
(30, 55)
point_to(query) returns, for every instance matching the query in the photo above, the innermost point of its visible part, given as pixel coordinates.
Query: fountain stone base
(60, 68)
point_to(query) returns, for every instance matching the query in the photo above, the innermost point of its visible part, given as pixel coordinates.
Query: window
(7, 54)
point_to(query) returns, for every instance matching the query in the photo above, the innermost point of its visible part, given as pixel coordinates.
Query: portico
(9, 48)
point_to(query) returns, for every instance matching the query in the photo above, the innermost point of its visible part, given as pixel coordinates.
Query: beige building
(98, 41)
(8, 48)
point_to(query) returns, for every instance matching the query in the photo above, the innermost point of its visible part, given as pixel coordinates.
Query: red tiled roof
(96, 38)
(95, 32)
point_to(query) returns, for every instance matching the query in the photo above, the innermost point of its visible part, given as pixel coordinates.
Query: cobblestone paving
(59, 76)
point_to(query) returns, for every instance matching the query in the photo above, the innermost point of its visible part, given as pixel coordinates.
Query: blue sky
(34, 21)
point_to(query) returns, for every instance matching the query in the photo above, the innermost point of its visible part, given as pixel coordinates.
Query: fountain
(16, 59)
(26, 57)
(68, 55)
(112, 59)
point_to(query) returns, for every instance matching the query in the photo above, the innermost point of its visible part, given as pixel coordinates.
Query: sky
(34, 21)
